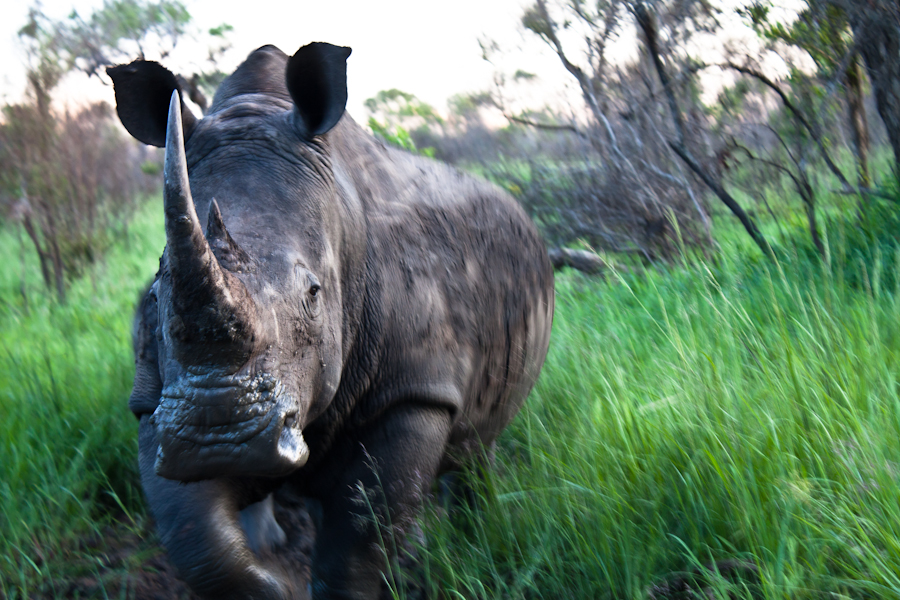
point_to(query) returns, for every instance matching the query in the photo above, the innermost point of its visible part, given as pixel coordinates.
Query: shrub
(72, 182)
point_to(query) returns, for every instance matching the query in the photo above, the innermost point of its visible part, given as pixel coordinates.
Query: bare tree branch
(648, 26)
(547, 126)
(804, 188)
(813, 131)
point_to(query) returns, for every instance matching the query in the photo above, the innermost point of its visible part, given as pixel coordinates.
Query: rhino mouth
(229, 426)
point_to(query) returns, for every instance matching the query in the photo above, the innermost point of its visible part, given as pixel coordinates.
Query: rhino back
(459, 298)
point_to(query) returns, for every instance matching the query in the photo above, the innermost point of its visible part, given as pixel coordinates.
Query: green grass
(67, 441)
(737, 415)
(722, 415)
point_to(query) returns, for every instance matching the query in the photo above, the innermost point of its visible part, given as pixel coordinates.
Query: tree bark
(876, 27)
(42, 255)
(858, 122)
(581, 260)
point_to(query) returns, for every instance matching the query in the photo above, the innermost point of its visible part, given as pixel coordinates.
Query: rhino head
(253, 316)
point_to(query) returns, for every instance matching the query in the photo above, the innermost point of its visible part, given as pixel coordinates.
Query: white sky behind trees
(429, 49)
(426, 48)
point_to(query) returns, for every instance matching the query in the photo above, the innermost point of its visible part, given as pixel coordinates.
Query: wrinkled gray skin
(351, 315)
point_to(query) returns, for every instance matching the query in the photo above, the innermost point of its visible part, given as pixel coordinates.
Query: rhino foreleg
(391, 467)
(200, 526)
(263, 532)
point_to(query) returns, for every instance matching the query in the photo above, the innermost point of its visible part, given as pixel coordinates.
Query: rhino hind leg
(462, 486)
(387, 472)
(262, 530)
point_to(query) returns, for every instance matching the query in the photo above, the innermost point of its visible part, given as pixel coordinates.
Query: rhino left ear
(143, 91)
(317, 81)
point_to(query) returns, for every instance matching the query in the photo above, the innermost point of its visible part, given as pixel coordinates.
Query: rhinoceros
(353, 318)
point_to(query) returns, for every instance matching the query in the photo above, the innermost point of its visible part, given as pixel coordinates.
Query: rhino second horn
(223, 245)
(213, 305)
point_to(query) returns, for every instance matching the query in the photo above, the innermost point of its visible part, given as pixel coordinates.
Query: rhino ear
(143, 91)
(317, 80)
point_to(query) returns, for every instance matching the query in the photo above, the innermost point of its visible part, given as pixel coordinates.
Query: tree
(624, 126)
(112, 33)
(648, 24)
(121, 30)
(661, 127)
(876, 33)
(67, 177)
(393, 114)
(822, 31)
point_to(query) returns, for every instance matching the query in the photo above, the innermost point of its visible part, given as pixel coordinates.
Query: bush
(72, 182)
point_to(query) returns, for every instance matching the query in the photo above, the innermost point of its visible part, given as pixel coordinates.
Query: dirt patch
(125, 560)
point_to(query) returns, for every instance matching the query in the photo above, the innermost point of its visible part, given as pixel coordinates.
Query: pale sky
(426, 48)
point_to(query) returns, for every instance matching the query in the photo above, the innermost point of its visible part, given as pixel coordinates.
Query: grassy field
(67, 440)
(731, 428)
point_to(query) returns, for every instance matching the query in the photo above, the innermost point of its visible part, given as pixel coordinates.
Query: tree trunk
(42, 254)
(809, 201)
(814, 229)
(875, 28)
(580, 260)
(58, 270)
(858, 122)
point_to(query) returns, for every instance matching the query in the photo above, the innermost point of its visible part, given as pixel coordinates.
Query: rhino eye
(310, 304)
(314, 286)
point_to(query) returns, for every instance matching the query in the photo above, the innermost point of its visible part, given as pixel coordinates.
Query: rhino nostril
(291, 447)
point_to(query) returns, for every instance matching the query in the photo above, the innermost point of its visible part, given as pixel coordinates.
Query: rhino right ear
(143, 91)
(317, 81)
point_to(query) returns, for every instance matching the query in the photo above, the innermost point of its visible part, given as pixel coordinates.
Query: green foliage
(68, 445)
(521, 75)
(69, 178)
(221, 31)
(536, 20)
(730, 101)
(466, 105)
(867, 242)
(118, 32)
(822, 30)
(397, 136)
(133, 21)
(757, 14)
(396, 105)
(393, 113)
(110, 34)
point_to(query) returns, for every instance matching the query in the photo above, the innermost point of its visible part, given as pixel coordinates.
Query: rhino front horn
(215, 312)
